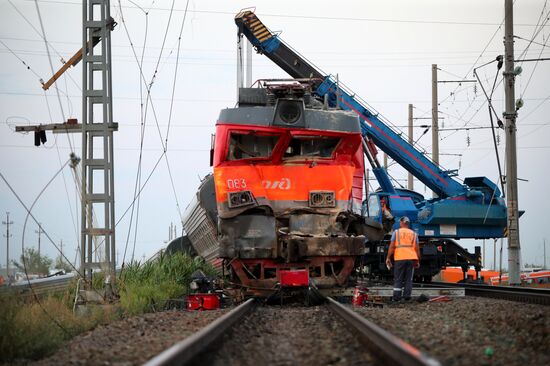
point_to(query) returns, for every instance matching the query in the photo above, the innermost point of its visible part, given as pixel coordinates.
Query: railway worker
(406, 256)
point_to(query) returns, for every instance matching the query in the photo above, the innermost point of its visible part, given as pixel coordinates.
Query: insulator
(468, 139)
(36, 138)
(459, 163)
(43, 137)
(498, 138)
(475, 89)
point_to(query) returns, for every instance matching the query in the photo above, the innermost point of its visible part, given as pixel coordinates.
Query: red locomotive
(288, 178)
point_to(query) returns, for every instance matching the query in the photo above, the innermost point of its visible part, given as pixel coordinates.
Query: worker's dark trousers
(402, 279)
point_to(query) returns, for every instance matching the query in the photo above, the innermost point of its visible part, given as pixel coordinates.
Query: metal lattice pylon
(97, 141)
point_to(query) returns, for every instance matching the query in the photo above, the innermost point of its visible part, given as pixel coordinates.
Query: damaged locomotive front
(288, 176)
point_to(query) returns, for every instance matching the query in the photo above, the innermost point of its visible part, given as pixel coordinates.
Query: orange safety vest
(405, 245)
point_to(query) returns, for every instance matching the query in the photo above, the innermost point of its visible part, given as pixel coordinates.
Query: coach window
(308, 146)
(247, 146)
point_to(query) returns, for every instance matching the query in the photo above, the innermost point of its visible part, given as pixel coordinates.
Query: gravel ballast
(131, 341)
(471, 331)
(289, 336)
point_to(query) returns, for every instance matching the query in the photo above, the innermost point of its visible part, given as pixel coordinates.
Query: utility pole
(483, 256)
(7, 235)
(97, 140)
(249, 48)
(435, 124)
(240, 76)
(511, 153)
(410, 182)
(494, 255)
(39, 232)
(367, 185)
(544, 250)
(97, 127)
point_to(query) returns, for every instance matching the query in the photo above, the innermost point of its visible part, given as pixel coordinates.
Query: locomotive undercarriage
(258, 244)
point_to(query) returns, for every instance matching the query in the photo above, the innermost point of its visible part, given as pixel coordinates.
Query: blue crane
(474, 208)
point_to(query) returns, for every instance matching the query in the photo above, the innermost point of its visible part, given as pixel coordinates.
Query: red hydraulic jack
(360, 296)
(203, 302)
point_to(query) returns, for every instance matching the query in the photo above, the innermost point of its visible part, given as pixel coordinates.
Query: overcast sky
(382, 50)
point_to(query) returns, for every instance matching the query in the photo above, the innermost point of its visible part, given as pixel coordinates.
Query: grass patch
(145, 287)
(29, 330)
(32, 331)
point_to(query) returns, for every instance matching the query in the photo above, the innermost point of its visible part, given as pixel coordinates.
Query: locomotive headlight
(322, 199)
(239, 199)
(289, 111)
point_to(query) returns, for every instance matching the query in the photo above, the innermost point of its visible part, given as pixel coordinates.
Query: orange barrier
(454, 274)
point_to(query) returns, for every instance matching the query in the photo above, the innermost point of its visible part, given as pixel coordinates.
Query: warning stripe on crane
(258, 29)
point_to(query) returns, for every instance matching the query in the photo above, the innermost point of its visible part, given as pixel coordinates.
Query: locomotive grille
(321, 199)
(240, 199)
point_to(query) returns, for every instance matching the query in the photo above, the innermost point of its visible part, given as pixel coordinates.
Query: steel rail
(521, 294)
(392, 349)
(186, 350)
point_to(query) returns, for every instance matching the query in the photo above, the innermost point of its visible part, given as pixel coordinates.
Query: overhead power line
(302, 16)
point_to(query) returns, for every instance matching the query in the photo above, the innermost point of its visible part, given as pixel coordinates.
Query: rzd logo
(284, 183)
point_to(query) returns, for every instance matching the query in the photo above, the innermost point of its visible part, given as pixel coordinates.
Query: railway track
(521, 294)
(331, 333)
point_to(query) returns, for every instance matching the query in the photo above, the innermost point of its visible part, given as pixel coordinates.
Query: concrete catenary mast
(510, 116)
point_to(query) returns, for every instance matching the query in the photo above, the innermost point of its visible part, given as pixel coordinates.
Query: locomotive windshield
(311, 146)
(246, 146)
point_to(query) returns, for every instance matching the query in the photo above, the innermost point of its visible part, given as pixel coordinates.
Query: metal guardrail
(521, 294)
(392, 349)
(184, 351)
(40, 286)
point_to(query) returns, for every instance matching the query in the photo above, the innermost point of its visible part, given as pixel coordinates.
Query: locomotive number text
(236, 183)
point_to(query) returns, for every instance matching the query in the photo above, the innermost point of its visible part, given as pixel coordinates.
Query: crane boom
(373, 127)
(472, 209)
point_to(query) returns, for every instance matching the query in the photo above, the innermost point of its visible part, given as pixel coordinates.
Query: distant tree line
(33, 262)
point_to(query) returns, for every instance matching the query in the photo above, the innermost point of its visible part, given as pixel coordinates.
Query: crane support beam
(65, 127)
